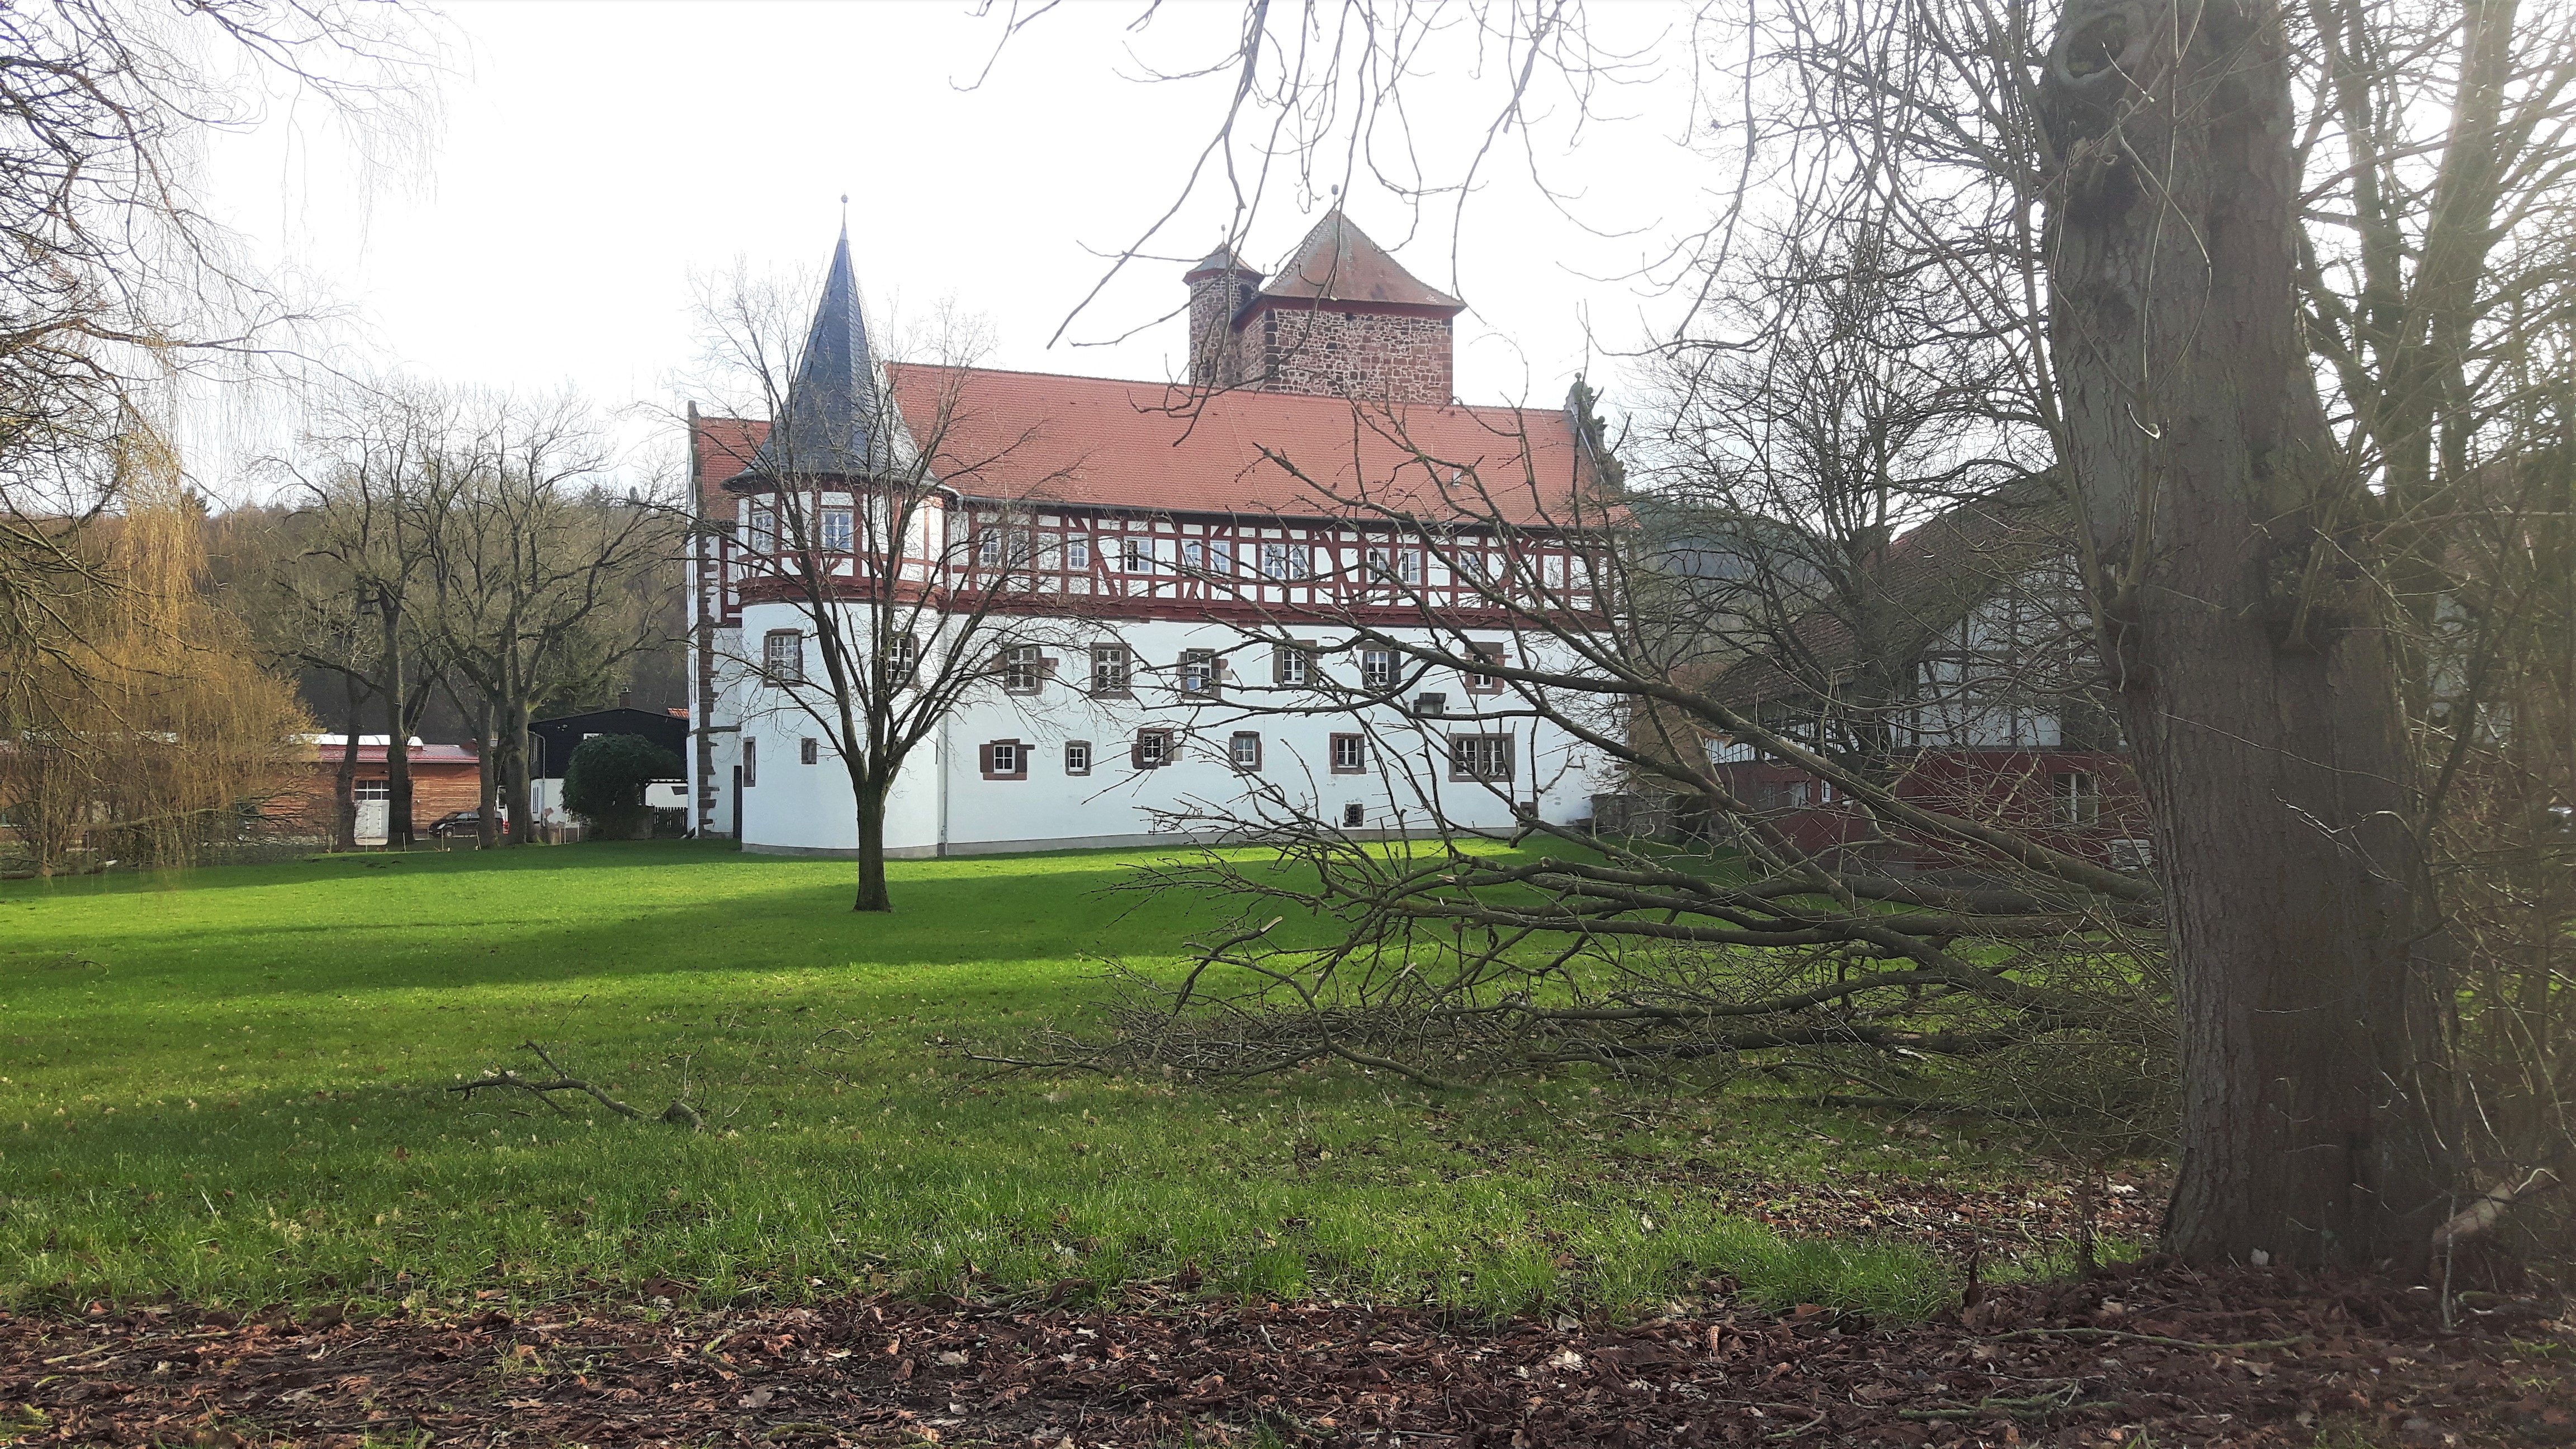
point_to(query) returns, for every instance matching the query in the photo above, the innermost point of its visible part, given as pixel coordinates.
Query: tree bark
(398, 821)
(872, 895)
(487, 780)
(514, 771)
(344, 794)
(2257, 678)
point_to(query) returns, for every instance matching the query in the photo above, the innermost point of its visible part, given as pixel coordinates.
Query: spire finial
(845, 216)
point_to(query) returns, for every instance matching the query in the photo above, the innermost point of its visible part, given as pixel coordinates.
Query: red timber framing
(1135, 564)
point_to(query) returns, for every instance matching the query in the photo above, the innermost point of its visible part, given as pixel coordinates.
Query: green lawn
(228, 1085)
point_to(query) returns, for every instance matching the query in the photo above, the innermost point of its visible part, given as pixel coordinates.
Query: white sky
(596, 156)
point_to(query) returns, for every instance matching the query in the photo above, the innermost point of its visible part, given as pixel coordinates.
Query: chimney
(1220, 286)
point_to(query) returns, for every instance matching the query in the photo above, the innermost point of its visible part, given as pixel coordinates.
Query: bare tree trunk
(344, 793)
(2258, 682)
(487, 780)
(397, 732)
(514, 771)
(872, 894)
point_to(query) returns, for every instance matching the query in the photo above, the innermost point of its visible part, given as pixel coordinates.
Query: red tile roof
(1111, 443)
(1338, 263)
(724, 447)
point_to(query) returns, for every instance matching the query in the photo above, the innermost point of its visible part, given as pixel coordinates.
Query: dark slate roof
(1338, 263)
(836, 422)
(1223, 259)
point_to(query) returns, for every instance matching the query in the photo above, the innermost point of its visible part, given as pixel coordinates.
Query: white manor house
(1193, 565)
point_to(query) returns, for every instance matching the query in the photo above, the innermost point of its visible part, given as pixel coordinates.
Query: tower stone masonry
(1342, 319)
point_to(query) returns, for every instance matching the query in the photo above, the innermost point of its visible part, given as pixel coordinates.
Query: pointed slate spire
(835, 421)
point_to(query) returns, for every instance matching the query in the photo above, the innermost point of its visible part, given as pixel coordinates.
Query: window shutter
(1047, 664)
(1136, 754)
(984, 758)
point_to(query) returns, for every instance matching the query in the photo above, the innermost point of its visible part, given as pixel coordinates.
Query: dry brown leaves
(2246, 1357)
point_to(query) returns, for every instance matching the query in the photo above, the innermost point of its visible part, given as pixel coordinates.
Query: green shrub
(605, 779)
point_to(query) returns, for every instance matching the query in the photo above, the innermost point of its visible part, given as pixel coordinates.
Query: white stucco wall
(944, 805)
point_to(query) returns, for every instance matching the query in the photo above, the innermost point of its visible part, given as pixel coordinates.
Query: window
(1286, 561)
(1198, 672)
(1004, 760)
(1350, 754)
(1803, 793)
(760, 520)
(751, 762)
(1377, 669)
(1109, 669)
(1153, 749)
(2137, 857)
(2078, 797)
(782, 656)
(1292, 665)
(1077, 553)
(1471, 567)
(903, 657)
(1193, 555)
(1136, 555)
(1244, 750)
(1395, 565)
(378, 788)
(809, 752)
(1480, 757)
(1220, 557)
(1023, 668)
(1477, 681)
(1077, 757)
(1431, 706)
(1354, 814)
(837, 535)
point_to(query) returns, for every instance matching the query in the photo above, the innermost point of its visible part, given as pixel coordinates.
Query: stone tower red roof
(1337, 262)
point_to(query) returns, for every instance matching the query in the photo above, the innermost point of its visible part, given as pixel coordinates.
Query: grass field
(229, 1085)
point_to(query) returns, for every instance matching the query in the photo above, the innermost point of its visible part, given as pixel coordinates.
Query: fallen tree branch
(2490, 1207)
(678, 1113)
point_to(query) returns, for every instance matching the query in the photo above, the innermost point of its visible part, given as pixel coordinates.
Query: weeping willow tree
(159, 733)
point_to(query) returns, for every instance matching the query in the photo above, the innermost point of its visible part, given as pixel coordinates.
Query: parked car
(456, 822)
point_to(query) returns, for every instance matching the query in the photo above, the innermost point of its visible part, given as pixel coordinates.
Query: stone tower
(1342, 319)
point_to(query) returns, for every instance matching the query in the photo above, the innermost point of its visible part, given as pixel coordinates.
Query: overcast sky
(594, 158)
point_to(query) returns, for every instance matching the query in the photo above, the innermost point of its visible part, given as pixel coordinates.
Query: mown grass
(229, 1086)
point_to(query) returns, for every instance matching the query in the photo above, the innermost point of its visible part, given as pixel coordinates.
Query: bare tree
(115, 279)
(856, 517)
(2152, 211)
(530, 559)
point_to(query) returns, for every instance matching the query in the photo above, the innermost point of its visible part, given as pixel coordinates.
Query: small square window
(1023, 668)
(782, 656)
(1109, 669)
(1005, 760)
(1350, 754)
(1480, 757)
(1477, 681)
(809, 752)
(837, 533)
(1153, 749)
(1198, 672)
(1354, 814)
(1077, 757)
(1431, 706)
(1377, 669)
(1292, 665)
(1244, 749)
